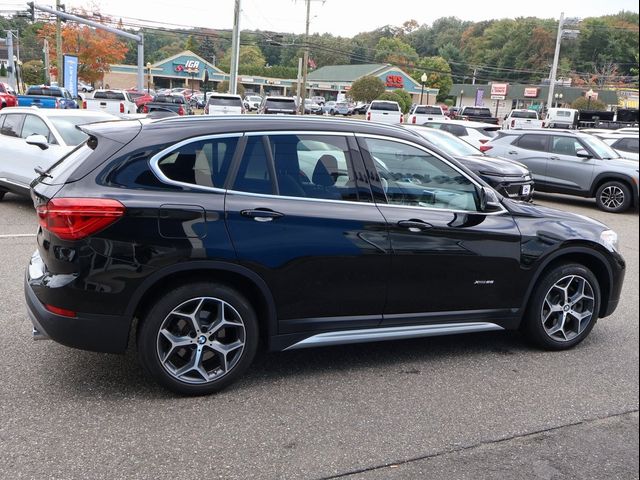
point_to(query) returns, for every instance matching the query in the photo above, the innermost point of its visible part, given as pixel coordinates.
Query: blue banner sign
(71, 74)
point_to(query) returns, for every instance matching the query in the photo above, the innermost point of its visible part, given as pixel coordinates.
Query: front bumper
(98, 333)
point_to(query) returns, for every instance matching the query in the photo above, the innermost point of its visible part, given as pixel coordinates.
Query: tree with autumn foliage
(96, 49)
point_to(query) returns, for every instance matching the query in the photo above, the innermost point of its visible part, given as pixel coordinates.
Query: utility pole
(45, 51)
(475, 71)
(299, 83)
(305, 60)
(235, 50)
(59, 46)
(554, 67)
(11, 70)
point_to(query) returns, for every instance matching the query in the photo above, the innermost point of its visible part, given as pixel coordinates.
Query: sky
(341, 17)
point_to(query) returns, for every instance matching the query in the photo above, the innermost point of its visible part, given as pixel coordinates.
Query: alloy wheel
(612, 197)
(201, 340)
(568, 307)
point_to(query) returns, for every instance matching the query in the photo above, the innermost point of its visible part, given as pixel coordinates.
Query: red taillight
(145, 109)
(77, 218)
(180, 110)
(485, 148)
(413, 119)
(60, 311)
(369, 116)
(121, 107)
(513, 123)
(401, 118)
(57, 103)
(84, 104)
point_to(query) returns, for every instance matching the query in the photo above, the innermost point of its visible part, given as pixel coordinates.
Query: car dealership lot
(435, 407)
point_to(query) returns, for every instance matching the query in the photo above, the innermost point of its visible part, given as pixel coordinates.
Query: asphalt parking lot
(471, 406)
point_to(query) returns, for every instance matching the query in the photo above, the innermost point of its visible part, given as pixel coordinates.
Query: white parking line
(18, 235)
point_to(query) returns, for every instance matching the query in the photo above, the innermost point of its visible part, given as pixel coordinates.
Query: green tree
(366, 89)
(393, 97)
(33, 72)
(396, 52)
(250, 57)
(3, 70)
(438, 75)
(583, 103)
(191, 44)
(223, 87)
(406, 98)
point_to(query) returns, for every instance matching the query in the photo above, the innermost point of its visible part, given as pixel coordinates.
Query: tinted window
(533, 142)
(489, 131)
(313, 166)
(204, 162)
(169, 99)
(411, 176)
(35, 126)
(283, 104)
(565, 146)
(12, 125)
(225, 101)
(533, 115)
(627, 145)
(477, 112)
(109, 95)
(385, 106)
(428, 110)
(254, 174)
(457, 130)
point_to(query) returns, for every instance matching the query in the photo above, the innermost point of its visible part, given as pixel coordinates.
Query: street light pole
(148, 77)
(423, 79)
(556, 56)
(461, 94)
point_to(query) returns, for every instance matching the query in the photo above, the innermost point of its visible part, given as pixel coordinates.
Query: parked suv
(207, 235)
(278, 106)
(565, 161)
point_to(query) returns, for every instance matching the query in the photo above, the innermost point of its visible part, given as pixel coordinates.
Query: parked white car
(521, 118)
(561, 118)
(625, 144)
(33, 138)
(474, 133)
(111, 101)
(385, 111)
(224, 104)
(252, 102)
(424, 113)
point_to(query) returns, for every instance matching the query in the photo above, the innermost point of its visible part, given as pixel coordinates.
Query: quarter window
(565, 146)
(410, 176)
(533, 142)
(12, 125)
(204, 162)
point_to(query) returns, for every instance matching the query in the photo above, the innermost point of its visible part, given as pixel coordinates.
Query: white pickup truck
(385, 111)
(521, 119)
(111, 101)
(420, 114)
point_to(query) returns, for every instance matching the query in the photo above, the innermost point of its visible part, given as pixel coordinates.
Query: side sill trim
(343, 337)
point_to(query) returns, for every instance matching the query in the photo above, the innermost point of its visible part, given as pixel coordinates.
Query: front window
(565, 146)
(412, 177)
(35, 126)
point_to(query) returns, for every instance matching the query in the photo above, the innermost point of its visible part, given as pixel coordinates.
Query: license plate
(526, 189)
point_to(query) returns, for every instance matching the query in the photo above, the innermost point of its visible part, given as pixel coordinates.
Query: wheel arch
(612, 177)
(590, 258)
(247, 282)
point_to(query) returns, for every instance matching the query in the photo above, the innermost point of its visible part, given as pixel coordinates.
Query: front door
(450, 261)
(301, 215)
(565, 170)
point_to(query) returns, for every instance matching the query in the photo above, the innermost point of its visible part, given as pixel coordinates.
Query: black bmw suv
(208, 236)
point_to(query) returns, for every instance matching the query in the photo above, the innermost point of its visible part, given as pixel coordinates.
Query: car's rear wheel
(613, 197)
(198, 338)
(563, 308)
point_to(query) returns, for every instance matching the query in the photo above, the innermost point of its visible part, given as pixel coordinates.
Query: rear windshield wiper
(42, 172)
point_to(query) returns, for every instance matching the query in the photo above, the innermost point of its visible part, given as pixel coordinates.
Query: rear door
(533, 151)
(300, 214)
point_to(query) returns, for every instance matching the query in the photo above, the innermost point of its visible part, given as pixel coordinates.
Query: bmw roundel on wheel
(205, 238)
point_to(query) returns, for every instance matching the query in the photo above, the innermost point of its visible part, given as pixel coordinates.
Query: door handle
(554, 158)
(414, 225)
(513, 152)
(261, 214)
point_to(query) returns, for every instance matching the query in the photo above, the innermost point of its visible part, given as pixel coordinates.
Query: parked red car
(7, 96)
(140, 98)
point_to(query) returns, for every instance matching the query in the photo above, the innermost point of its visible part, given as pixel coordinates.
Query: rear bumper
(98, 333)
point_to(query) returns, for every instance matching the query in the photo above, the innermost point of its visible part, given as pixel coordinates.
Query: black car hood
(532, 210)
(493, 166)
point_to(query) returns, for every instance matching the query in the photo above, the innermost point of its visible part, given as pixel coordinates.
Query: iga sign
(531, 92)
(499, 89)
(395, 81)
(191, 66)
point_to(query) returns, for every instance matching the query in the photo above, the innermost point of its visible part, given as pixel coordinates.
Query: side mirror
(505, 117)
(582, 153)
(489, 201)
(38, 141)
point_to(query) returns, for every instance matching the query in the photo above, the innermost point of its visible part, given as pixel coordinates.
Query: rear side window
(533, 142)
(204, 162)
(12, 125)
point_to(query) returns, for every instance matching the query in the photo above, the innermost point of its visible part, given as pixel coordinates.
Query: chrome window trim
(155, 168)
(307, 199)
(439, 157)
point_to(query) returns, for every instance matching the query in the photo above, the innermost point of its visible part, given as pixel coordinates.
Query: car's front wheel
(563, 308)
(613, 197)
(198, 338)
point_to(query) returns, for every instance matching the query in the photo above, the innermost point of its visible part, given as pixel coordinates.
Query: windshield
(600, 148)
(447, 142)
(66, 126)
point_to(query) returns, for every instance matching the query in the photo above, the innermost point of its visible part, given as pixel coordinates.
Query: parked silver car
(574, 163)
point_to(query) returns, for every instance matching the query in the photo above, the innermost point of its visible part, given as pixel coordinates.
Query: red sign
(531, 92)
(499, 89)
(395, 81)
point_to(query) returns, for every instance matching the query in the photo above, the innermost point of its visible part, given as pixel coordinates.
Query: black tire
(2, 194)
(613, 196)
(533, 326)
(150, 341)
